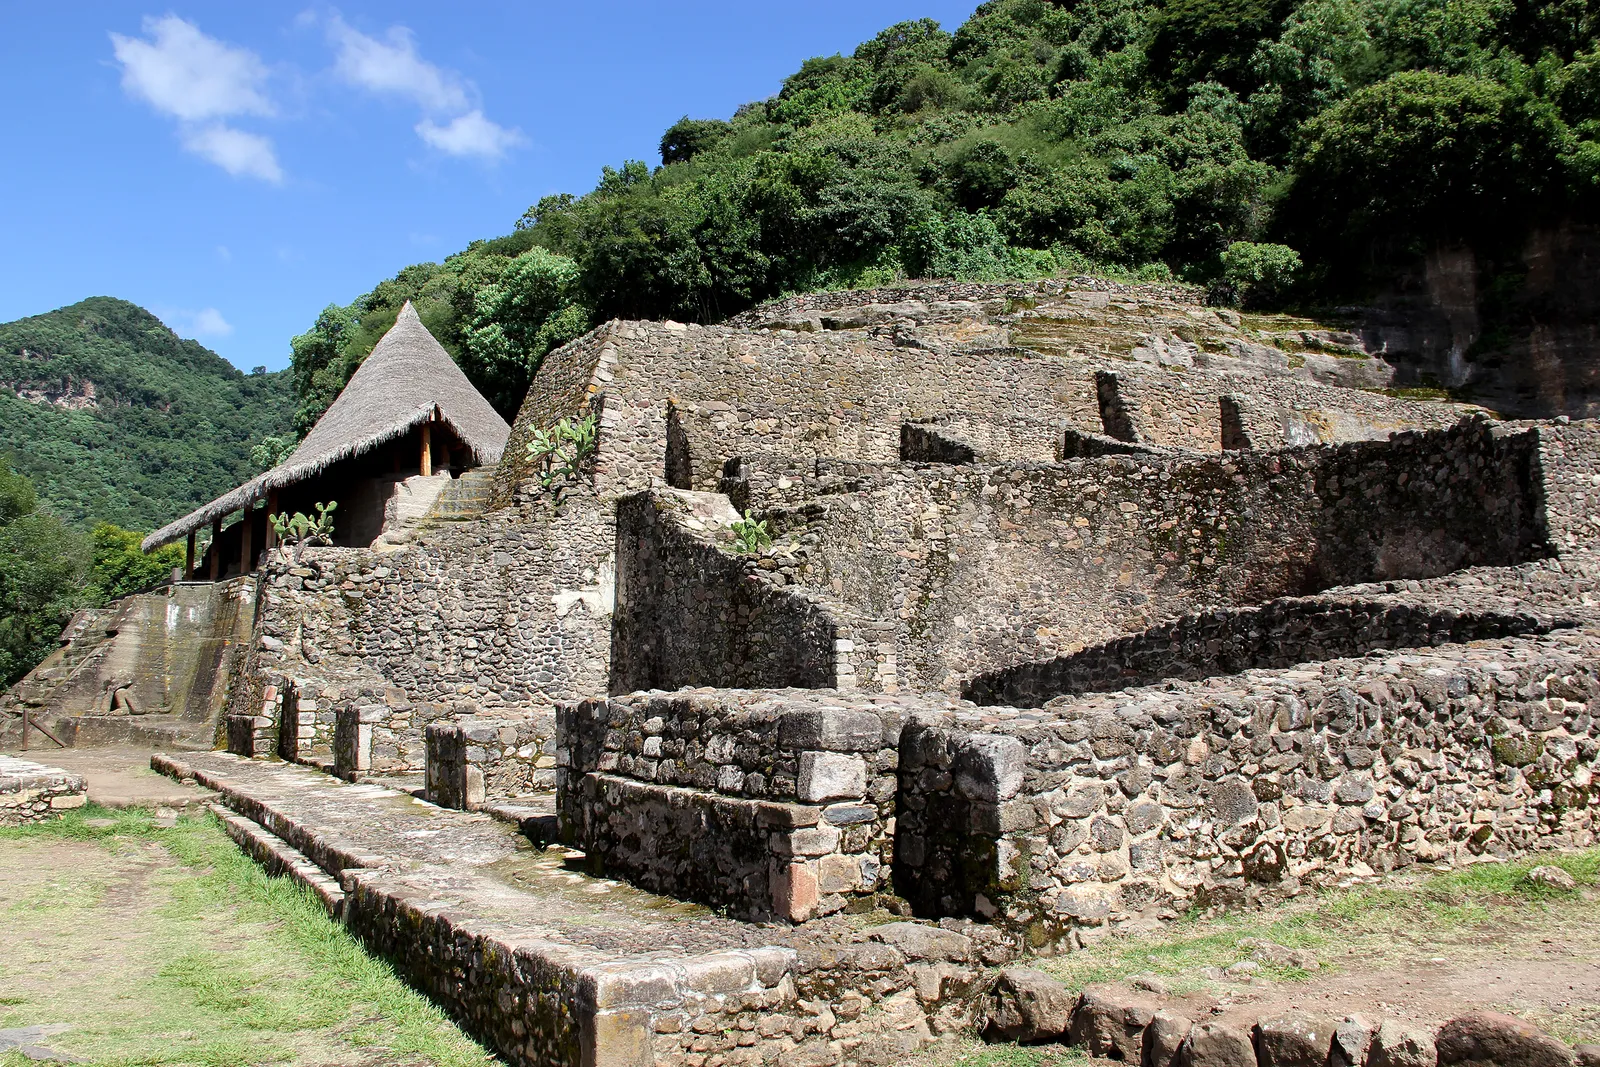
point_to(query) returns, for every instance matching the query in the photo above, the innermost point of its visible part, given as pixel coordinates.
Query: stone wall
(1135, 806)
(472, 761)
(509, 611)
(689, 613)
(32, 792)
(1569, 471)
(1224, 641)
(971, 569)
(768, 803)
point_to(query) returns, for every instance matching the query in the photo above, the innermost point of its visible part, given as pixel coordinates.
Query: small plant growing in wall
(751, 534)
(299, 531)
(565, 451)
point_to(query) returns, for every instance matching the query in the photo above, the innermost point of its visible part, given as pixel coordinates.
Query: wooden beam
(427, 448)
(246, 557)
(216, 549)
(272, 509)
(188, 558)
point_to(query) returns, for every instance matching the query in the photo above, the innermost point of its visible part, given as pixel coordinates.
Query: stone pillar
(451, 781)
(1115, 418)
(1234, 434)
(249, 735)
(352, 741)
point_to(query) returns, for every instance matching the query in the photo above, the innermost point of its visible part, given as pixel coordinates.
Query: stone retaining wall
(474, 760)
(977, 568)
(32, 792)
(1226, 641)
(771, 804)
(1140, 804)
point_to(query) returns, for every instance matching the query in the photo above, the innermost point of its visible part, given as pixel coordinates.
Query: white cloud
(235, 151)
(469, 135)
(451, 120)
(207, 322)
(393, 67)
(200, 80)
(188, 75)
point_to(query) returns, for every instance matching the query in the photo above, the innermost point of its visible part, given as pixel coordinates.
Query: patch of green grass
(245, 967)
(1471, 898)
(975, 1054)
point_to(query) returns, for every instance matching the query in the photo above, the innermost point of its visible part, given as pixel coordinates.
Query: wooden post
(216, 549)
(272, 531)
(188, 558)
(246, 562)
(427, 447)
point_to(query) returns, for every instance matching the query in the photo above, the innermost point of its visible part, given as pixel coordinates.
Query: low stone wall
(32, 792)
(1226, 641)
(379, 730)
(689, 613)
(771, 804)
(1141, 804)
(472, 760)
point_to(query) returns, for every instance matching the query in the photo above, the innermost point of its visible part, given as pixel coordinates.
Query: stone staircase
(464, 499)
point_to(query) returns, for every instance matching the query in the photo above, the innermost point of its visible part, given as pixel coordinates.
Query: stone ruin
(1015, 614)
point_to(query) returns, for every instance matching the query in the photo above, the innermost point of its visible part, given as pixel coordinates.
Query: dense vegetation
(48, 570)
(1326, 142)
(108, 417)
(126, 422)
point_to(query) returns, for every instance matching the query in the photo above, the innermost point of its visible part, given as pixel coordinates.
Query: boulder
(1352, 1036)
(1548, 876)
(1111, 1024)
(1029, 1006)
(1216, 1045)
(1163, 1039)
(1293, 1039)
(1588, 1055)
(1395, 1046)
(1503, 1040)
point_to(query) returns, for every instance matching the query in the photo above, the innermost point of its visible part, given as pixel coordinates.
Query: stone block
(1111, 1024)
(830, 729)
(1028, 1006)
(1352, 1037)
(1395, 1046)
(990, 767)
(794, 891)
(838, 874)
(919, 941)
(1504, 1040)
(831, 776)
(1164, 1037)
(1293, 1039)
(1217, 1045)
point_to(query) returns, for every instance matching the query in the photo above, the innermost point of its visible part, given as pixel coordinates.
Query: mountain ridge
(115, 418)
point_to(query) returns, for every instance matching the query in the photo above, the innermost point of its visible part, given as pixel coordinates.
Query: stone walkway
(119, 776)
(552, 966)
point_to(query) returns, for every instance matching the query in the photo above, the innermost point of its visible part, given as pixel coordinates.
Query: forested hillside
(114, 418)
(1270, 149)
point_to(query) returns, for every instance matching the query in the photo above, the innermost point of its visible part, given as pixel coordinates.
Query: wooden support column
(188, 558)
(246, 557)
(272, 509)
(427, 447)
(216, 549)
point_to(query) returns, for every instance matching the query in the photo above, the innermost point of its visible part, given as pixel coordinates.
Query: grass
(1372, 922)
(167, 945)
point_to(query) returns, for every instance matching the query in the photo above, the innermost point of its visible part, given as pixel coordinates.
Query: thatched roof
(407, 378)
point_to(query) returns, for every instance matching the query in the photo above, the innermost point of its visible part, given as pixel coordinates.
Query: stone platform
(32, 792)
(548, 965)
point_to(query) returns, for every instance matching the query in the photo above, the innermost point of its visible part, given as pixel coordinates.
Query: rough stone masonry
(1033, 612)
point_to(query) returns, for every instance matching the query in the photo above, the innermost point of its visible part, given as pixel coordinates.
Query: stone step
(277, 856)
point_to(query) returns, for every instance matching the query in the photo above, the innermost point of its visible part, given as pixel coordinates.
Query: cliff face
(1520, 333)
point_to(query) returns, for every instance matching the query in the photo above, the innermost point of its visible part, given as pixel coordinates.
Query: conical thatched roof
(407, 378)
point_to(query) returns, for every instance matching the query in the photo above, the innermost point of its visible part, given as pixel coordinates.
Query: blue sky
(236, 167)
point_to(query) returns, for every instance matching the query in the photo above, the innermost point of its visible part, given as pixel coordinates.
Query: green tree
(43, 564)
(117, 567)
